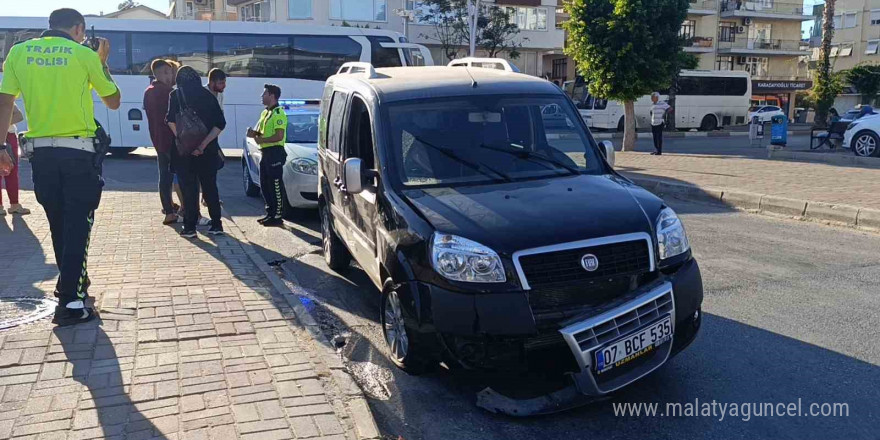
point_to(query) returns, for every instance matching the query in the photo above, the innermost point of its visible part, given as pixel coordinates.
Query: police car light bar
(288, 103)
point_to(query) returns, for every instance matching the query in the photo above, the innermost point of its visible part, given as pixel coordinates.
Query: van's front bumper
(499, 329)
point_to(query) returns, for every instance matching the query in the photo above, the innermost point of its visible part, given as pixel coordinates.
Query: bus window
(317, 57)
(384, 56)
(118, 59)
(252, 55)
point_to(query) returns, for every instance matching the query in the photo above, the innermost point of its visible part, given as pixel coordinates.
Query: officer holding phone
(55, 75)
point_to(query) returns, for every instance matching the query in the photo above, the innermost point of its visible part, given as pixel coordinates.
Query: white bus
(706, 100)
(295, 57)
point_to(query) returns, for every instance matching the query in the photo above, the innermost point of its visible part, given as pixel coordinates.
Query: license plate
(633, 346)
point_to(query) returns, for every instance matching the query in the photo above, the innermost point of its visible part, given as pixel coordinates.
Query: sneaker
(216, 229)
(65, 316)
(204, 221)
(656, 154)
(261, 220)
(169, 219)
(188, 233)
(272, 222)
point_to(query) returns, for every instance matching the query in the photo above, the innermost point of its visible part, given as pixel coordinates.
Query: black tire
(121, 152)
(709, 123)
(404, 349)
(621, 124)
(866, 143)
(250, 188)
(335, 254)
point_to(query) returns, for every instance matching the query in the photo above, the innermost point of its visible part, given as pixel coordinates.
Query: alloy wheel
(865, 145)
(395, 331)
(325, 231)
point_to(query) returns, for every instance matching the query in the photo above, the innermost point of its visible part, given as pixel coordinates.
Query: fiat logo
(589, 262)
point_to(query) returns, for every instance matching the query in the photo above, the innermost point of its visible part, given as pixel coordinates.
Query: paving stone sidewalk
(193, 342)
(816, 182)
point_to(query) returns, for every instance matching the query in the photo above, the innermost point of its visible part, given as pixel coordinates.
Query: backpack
(191, 131)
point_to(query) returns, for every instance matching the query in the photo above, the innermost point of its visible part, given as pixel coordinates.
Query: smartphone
(92, 41)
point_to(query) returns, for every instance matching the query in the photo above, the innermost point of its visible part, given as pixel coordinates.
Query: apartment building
(856, 33)
(542, 40)
(761, 37)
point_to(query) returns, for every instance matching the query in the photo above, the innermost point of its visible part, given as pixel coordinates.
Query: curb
(832, 213)
(355, 403)
(668, 135)
(829, 158)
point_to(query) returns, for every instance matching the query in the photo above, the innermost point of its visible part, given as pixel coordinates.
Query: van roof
(406, 83)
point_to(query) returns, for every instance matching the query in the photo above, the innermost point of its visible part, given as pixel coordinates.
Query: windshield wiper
(474, 166)
(530, 155)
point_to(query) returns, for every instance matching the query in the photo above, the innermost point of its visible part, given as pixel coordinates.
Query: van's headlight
(305, 166)
(671, 238)
(460, 259)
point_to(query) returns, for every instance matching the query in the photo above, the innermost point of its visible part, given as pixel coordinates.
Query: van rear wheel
(621, 124)
(335, 253)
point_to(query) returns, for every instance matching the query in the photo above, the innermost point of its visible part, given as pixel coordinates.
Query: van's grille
(586, 293)
(553, 270)
(602, 333)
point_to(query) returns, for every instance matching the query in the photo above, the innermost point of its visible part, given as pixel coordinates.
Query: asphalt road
(790, 314)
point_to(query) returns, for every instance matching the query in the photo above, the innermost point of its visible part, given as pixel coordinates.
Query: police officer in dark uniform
(55, 75)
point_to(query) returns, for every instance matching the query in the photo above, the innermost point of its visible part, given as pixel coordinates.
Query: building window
(688, 29)
(190, 12)
(835, 49)
(724, 63)
(359, 10)
(560, 68)
(528, 19)
(845, 50)
(875, 17)
(872, 47)
(837, 21)
(259, 11)
(849, 20)
(299, 9)
(760, 31)
(727, 31)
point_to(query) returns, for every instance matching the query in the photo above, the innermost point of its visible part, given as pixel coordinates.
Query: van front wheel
(335, 253)
(404, 348)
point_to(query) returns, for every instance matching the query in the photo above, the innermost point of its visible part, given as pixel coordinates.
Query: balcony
(765, 9)
(702, 7)
(761, 46)
(699, 45)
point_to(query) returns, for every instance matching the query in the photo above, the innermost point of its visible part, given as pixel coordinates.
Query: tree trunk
(629, 126)
(823, 75)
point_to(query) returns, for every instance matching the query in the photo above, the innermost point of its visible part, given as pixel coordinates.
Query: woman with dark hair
(199, 168)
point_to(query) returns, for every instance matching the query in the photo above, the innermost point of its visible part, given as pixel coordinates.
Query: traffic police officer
(55, 75)
(270, 135)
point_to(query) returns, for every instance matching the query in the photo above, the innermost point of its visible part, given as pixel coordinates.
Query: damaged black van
(496, 228)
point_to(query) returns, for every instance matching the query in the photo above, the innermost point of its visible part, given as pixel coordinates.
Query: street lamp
(474, 12)
(407, 15)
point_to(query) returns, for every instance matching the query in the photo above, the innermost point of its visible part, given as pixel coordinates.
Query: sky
(42, 8)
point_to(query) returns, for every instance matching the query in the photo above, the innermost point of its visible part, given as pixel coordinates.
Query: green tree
(127, 4)
(448, 18)
(626, 49)
(866, 79)
(827, 84)
(497, 34)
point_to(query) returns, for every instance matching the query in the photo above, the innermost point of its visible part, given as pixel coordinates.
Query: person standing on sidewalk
(658, 117)
(271, 135)
(55, 75)
(12, 179)
(156, 99)
(200, 168)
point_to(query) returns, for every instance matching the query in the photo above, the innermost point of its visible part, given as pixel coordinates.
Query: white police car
(301, 168)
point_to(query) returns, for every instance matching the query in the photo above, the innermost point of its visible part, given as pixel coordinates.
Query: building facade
(760, 37)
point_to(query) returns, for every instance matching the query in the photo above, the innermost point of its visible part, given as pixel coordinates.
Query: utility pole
(474, 10)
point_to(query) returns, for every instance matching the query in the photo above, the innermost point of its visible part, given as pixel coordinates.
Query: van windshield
(487, 139)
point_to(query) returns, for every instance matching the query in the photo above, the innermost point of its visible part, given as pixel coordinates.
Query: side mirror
(352, 175)
(608, 149)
